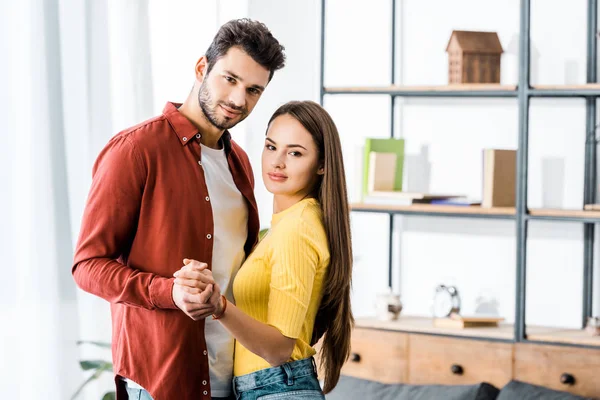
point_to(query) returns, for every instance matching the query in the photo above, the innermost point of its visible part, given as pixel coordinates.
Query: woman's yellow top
(281, 282)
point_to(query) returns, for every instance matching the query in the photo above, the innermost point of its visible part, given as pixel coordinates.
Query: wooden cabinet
(455, 361)
(569, 369)
(378, 355)
(420, 358)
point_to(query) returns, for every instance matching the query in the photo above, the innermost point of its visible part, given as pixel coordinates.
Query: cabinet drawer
(550, 366)
(441, 360)
(378, 356)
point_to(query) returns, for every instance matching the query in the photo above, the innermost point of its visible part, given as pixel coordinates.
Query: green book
(383, 146)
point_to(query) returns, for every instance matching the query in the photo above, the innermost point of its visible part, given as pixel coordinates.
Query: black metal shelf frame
(523, 93)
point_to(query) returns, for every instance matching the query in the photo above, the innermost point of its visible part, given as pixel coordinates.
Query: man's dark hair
(251, 36)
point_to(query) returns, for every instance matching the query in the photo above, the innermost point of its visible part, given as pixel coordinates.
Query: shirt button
(207, 198)
(204, 382)
(185, 139)
(209, 236)
(205, 352)
(205, 392)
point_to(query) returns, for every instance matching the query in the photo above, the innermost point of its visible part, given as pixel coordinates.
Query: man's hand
(196, 306)
(195, 292)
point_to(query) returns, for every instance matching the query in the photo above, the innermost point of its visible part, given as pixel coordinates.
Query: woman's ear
(321, 171)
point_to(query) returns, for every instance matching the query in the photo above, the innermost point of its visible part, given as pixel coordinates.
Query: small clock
(446, 301)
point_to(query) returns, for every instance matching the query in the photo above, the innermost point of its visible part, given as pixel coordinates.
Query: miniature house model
(474, 57)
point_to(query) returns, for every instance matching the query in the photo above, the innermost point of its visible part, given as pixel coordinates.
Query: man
(174, 187)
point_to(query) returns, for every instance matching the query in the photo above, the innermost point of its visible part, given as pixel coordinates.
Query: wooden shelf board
(560, 335)
(504, 331)
(434, 208)
(469, 210)
(589, 86)
(425, 325)
(468, 87)
(548, 212)
(435, 88)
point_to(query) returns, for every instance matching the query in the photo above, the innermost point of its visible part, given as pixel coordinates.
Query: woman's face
(290, 159)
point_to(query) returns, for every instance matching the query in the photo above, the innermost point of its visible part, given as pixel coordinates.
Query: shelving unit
(523, 92)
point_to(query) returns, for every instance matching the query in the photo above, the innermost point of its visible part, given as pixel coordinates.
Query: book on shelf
(382, 171)
(376, 145)
(499, 178)
(356, 170)
(404, 198)
(461, 321)
(456, 201)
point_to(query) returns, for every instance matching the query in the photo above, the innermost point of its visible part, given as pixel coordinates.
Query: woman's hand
(194, 276)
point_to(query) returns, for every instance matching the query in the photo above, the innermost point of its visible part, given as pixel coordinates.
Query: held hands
(195, 292)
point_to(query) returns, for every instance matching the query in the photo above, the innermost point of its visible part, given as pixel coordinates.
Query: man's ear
(201, 68)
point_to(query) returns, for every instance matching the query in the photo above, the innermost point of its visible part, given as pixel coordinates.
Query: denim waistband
(285, 372)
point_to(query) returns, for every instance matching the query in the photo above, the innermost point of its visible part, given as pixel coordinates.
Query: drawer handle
(567, 379)
(456, 369)
(355, 357)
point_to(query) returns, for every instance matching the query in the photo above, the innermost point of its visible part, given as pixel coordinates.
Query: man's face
(230, 91)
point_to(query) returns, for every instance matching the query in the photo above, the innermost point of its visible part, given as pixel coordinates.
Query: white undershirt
(230, 217)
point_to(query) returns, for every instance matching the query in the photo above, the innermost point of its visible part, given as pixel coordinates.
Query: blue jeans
(138, 394)
(294, 380)
(141, 394)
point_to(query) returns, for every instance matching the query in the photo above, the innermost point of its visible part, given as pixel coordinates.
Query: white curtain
(72, 73)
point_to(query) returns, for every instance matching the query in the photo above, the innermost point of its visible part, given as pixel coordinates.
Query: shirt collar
(185, 130)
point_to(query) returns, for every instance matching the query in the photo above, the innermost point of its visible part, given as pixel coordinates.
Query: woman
(295, 286)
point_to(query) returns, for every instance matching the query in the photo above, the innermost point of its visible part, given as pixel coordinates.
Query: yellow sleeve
(294, 262)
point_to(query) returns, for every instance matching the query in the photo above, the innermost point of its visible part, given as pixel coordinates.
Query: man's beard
(210, 112)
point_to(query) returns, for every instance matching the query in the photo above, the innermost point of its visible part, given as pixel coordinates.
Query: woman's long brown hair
(334, 320)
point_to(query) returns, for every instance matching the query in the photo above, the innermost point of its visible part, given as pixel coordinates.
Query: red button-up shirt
(148, 208)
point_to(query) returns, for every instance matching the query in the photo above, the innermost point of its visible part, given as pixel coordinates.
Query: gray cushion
(350, 388)
(526, 391)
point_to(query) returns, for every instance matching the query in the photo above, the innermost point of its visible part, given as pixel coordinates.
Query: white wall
(180, 33)
(476, 255)
(296, 25)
